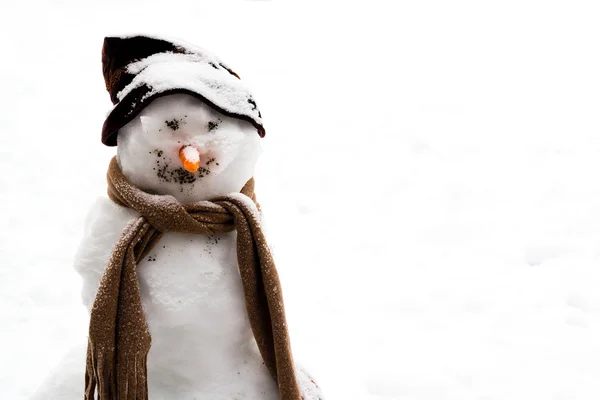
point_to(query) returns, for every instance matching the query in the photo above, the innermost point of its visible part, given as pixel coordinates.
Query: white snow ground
(430, 176)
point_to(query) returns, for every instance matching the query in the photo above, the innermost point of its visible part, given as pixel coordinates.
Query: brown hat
(139, 69)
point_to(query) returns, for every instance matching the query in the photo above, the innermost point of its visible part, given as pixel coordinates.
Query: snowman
(187, 132)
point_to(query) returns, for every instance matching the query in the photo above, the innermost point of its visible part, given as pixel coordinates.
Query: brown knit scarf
(119, 339)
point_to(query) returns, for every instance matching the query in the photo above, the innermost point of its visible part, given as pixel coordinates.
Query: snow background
(429, 179)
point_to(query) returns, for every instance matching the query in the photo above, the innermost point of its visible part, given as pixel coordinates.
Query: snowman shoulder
(106, 215)
(102, 228)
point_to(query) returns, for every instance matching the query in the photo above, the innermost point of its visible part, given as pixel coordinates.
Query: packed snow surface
(197, 73)
(434, 209)
(191, 154)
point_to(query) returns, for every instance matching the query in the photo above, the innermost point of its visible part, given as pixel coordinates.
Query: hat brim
(136, 100)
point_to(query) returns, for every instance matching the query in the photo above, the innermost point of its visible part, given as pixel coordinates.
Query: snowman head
(184, 122)
(180, 146)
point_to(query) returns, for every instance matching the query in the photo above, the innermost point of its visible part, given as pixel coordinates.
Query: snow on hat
(139, 69)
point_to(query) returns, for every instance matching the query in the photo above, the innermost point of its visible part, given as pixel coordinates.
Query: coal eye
(212, 125)
(173, 124)
(176, 123)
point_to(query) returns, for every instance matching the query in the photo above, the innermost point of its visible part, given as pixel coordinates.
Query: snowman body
(202, 343)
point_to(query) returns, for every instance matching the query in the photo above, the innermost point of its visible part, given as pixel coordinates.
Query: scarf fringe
(99, 374)
(132, 375)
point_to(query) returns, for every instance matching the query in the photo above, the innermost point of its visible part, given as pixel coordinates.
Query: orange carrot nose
(190, 158)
